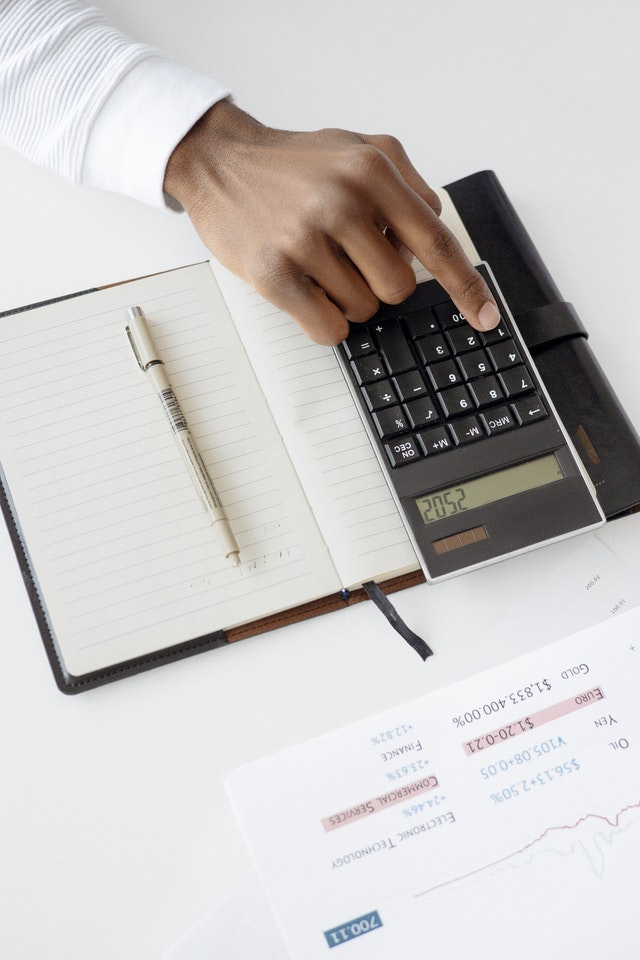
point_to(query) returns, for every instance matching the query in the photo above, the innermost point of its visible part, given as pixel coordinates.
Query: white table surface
(115, 831)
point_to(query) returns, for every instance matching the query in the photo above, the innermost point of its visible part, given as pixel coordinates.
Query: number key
(455, 401)
(445, 374)
(463, 338)
(516, 381)
(432, 349)
(504, 355)
(486, 391)
(496, 335)
(474, 364)
(449, 315)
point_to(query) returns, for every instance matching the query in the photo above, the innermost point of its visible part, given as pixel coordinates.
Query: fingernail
(488, 316)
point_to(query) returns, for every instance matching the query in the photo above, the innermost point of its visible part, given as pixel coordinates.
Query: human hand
(321, 224)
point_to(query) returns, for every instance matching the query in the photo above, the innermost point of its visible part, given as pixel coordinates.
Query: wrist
(203, 153)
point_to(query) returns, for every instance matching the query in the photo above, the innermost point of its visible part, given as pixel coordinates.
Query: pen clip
(134, 347)
(140, 339)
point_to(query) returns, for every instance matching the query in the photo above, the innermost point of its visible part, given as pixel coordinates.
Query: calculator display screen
(494, 486)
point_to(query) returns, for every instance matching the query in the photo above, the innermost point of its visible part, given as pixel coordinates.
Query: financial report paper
(505, 808)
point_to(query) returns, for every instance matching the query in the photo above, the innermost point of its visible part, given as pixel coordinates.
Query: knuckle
(389, 145)
(335, 135)
(337, 212)
(373, 161)
(365, 308)
(444, 246)
(271, 271)
(473, 287)
(328, 333)
(398, 294)
(434, 201)
(362, 165)
(300, 242)
(323, 212)
(397, 286)
(297, 243)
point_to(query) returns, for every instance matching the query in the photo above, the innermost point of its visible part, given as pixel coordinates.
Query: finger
(398, 245)
(446, 260)
(344, 285)
(323, 261)
(416, 225)
(386, 272)
(297, 294)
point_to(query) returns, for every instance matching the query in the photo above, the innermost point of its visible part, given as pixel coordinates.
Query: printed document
(500, 809)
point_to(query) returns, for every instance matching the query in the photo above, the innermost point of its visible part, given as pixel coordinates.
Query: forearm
(81, 98)
(317, 222)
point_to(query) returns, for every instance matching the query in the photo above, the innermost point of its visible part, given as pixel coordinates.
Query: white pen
(151, 364)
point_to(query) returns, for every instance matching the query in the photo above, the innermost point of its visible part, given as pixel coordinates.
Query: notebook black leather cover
(590, 410)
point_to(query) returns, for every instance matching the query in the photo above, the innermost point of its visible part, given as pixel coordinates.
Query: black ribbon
(383, 604)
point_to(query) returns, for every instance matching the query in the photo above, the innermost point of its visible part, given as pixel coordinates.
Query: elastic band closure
(549, 324)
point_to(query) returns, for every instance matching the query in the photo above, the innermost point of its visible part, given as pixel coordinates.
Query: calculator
(475, 455)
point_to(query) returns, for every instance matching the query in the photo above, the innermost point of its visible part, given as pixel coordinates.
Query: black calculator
(475, 455)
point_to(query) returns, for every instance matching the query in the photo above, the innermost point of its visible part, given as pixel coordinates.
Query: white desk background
(115, 831)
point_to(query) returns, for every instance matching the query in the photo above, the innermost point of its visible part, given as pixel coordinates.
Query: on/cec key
(402, 451)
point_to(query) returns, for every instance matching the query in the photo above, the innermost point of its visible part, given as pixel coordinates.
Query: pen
(151, 364)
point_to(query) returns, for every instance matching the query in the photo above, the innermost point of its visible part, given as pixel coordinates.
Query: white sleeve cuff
(155, 104)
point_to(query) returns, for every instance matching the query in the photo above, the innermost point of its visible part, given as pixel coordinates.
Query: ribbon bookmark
(383, 604)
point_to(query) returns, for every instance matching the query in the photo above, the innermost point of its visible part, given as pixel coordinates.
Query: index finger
(441, 253)
(437, 249)
(416, 224)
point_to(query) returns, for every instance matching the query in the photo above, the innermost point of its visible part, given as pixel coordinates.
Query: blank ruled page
(124, 557)
(325, 437)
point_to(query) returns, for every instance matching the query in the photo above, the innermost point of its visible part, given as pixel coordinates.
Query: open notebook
(124, 568)
(124, 561)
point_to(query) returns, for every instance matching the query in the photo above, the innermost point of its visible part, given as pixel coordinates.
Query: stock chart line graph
(591, 835)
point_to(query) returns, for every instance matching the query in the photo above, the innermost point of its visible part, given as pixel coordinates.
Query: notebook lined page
(125, 558)
(325, 437)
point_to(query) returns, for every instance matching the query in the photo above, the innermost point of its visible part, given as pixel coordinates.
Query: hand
(320, 224)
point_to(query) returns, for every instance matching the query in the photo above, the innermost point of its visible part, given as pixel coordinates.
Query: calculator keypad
(433, 383)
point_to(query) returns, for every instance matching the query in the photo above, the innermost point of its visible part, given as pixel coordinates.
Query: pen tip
(235, 558)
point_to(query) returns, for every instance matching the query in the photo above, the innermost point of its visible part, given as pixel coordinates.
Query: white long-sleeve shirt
(79, 97)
